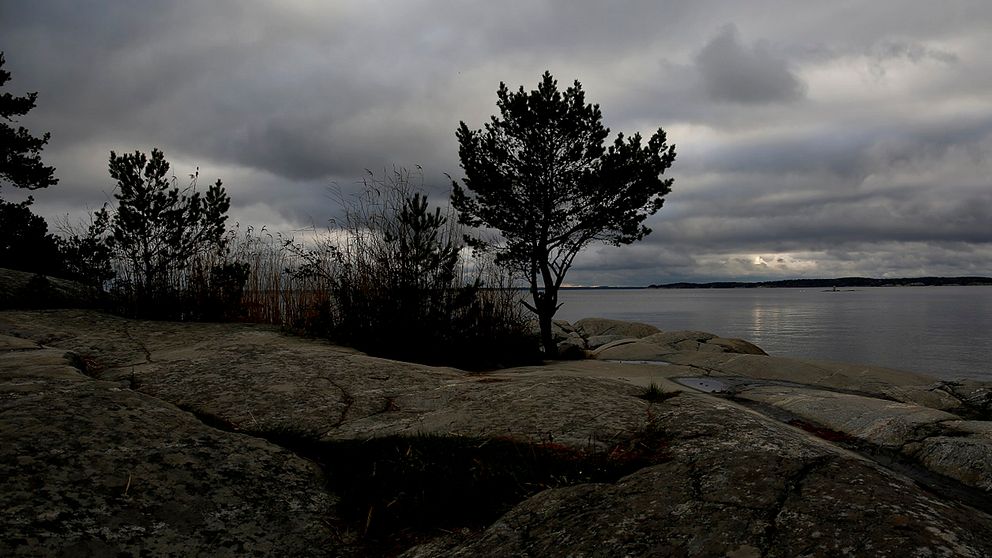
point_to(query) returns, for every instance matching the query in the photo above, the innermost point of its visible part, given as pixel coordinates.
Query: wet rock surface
(211, 412)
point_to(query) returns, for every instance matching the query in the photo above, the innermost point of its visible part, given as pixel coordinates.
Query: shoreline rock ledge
(126, 437)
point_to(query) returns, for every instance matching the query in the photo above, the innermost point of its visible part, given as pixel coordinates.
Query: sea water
(942, 331)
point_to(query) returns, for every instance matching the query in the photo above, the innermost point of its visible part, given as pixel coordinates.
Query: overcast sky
(814, 139)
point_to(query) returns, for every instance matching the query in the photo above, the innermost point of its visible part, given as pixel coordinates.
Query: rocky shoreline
(135, 437)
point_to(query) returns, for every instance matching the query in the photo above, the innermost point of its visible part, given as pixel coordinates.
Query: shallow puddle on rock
(709, 385)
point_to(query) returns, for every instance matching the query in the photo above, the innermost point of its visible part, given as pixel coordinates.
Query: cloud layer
(813, 141)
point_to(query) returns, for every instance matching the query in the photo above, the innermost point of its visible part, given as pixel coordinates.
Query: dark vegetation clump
(656, 394)
(401, 287)
(396, 490)
(25, 243)
(39, 291)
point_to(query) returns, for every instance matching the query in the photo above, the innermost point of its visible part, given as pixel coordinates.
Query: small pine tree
(157, 228)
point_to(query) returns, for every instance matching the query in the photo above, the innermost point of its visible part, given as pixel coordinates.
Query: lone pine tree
(540, 175)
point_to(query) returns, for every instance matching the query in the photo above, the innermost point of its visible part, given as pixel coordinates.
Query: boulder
(702, 341)
(675, 337)
(632, 349)
(738, 346)
(594, 342)
(572, 348)
(561, 329)
(602, 326)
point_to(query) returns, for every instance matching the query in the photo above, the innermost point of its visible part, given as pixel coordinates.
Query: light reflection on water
(944, 331)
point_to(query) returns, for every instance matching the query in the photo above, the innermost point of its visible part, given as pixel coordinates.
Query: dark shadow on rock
(400, 490)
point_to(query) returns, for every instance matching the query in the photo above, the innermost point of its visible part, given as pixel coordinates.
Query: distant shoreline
(841, 282)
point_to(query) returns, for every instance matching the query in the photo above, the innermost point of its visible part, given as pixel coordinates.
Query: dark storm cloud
(824, 139)
(739, 73)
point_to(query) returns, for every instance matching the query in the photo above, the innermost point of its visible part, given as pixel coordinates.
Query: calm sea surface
(943, 331)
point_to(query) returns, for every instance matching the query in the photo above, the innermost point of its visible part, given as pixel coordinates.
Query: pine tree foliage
(20, 152)
(25, 243)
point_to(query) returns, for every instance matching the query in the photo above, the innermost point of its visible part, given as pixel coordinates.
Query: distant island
(841, 282)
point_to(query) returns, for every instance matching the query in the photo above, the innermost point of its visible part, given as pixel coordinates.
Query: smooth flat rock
(883, 423)
(582, 413)
(90, 469)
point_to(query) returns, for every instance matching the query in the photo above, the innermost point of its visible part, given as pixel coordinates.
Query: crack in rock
(793, 487)
(141, 345)
(348, 401)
